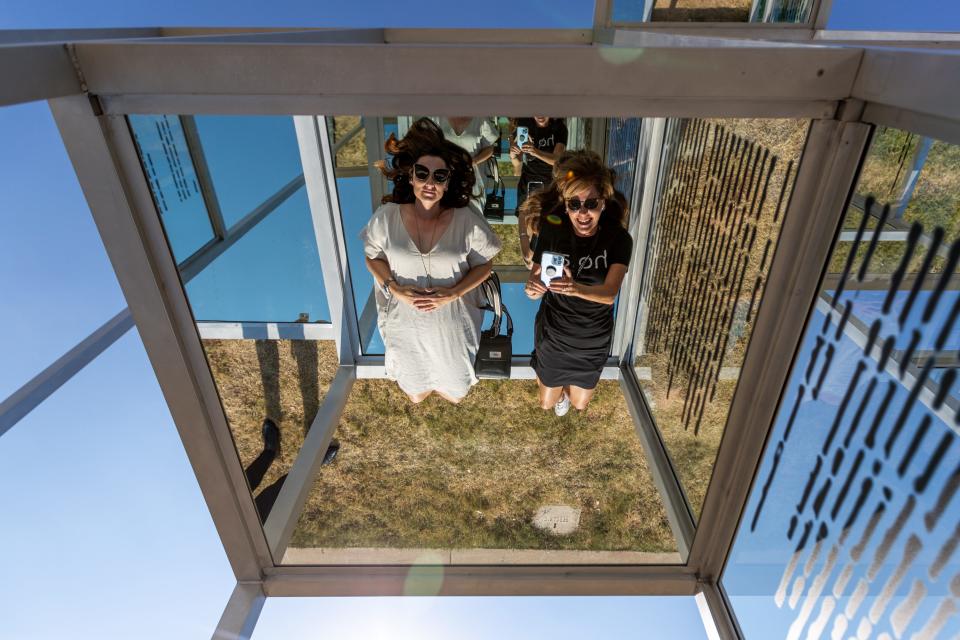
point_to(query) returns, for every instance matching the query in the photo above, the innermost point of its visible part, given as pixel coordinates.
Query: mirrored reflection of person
(533, 162)
(582, 218)
(428, 252)
(477, 137)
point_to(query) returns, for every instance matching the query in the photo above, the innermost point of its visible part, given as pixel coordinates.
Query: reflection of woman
(533, 162)
(428, 252)
(582, 219)
(476, 136)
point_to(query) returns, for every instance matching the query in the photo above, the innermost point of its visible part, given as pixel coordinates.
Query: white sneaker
(563, 405)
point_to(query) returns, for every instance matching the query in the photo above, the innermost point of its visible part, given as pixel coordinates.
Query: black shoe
(271, 437)
(331, 453)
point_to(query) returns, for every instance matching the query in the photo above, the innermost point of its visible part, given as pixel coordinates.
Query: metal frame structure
(94, 79)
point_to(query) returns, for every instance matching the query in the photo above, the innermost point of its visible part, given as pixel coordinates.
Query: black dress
(572, 336)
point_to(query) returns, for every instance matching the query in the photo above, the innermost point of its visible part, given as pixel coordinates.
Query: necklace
(426, 264)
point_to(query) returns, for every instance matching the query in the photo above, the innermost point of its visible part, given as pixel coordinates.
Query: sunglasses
(422, 173)
(591, 204)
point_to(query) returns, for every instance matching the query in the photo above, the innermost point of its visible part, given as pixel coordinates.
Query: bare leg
(549, 395)
(448, 398)
(417, 398)
(580, 397)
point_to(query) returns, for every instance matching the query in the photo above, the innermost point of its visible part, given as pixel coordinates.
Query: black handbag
(495, 351)
(493, 209)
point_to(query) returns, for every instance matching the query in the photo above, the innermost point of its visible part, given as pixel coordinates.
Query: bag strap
(494, 296)
(494, 174)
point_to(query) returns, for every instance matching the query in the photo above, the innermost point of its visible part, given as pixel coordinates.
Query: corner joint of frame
(850, 110)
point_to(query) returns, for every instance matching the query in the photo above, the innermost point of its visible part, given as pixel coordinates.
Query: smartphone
(523, 136)
(551, 267)
(534, 186)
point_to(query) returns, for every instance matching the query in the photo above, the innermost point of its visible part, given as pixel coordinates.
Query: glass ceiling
(474, 483)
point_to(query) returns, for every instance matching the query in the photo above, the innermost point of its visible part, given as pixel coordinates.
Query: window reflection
(850, 528)
(719, 208)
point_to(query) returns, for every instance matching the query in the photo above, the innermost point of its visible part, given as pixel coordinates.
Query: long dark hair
(572, 172)
(424, 138)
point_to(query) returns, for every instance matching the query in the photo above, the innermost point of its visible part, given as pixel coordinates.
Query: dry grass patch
(472, 476)
(284, 380)
(510, 238)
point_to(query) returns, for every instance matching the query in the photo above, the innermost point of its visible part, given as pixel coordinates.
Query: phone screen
(551, 267)
(523, 136)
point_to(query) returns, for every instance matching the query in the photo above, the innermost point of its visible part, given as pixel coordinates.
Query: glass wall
(231, 197)
(626, 12)
(721, 196)
(851, 526)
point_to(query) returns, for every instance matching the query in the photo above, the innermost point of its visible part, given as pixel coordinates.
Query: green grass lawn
(436, 475)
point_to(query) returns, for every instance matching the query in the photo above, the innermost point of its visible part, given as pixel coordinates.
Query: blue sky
(103, 521)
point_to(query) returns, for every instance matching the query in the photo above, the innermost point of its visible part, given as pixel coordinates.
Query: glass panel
(626, 12)
(283, 381)
(919, 15)
(260, 275)
(249, 159)
(360, 187)
(173, 181)
(723, 188)
(271, 274)
(264, 269)
(474, 618)
(851, 527)
(496, 480)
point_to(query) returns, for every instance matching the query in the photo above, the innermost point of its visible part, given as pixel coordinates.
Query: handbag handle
(494, 297)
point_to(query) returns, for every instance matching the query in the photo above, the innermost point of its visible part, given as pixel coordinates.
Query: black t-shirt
(544, 139)
(589, 260)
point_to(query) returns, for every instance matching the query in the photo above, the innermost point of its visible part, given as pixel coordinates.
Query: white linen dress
(430, 350)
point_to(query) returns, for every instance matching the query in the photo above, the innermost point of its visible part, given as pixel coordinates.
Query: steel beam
(719, 621)
(911, 79)
(41, 386)
(479, 580)
(265, 330)
(824, 181)
(668, 486)
(656, 71)
(644, 196)
(36, 72)
(105, 159)
(241, 613)
(317, 160)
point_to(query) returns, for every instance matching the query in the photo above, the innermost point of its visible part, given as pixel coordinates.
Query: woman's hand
(515, 151)
(565, 286)
(406, 294)
(528, 148)
(534, 289)
(433, 299)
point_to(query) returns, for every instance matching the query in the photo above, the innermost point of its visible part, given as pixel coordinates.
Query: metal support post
(241, 613)
(668, 486)
(717, 615)
(41, 386)
(821, 191)
(317, 160)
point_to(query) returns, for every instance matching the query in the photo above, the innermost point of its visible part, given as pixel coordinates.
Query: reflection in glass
(723, 190)
(782, 11)
(262, 263)
(851, 527)
(465, 486)
(283, 381)
(170, 172)
(358, 143)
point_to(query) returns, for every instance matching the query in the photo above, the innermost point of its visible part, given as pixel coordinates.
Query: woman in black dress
(581, 218)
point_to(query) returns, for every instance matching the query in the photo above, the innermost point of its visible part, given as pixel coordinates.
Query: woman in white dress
(428, 253)
(477, 137)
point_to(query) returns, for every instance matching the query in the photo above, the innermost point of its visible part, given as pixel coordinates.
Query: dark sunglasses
(591, 204)
(422, 173)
